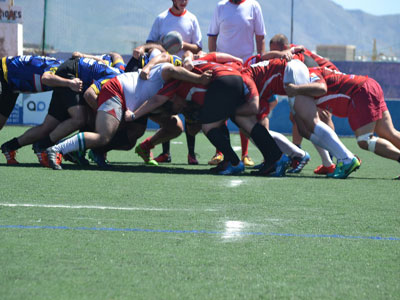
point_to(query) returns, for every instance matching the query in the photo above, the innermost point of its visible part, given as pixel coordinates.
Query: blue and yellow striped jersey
(23, 73)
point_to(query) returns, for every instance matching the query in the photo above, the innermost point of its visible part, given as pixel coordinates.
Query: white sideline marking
(233, 229)
(237, 148)
(236, 182)
(96, 207)
(177, 143)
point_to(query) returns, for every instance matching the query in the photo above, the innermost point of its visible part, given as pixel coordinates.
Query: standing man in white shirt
(233, 28)
(178, 18)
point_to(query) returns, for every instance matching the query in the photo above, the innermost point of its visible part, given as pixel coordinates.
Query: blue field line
(335, 236)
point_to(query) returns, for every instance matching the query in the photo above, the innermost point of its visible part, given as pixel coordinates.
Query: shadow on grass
(172, 168)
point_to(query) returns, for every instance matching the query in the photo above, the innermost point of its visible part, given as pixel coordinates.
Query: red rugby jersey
(341, 88)
(268, 77)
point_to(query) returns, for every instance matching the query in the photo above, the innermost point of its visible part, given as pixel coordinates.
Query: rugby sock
(120, 141)
(225, 131)
(265, 143)
(45, 143)
(165, 147)
(326, 138)
(287, 146)
(12, 144)
(190, 140)
(244, 141)
(325, 157)
(146, 144)
(399, 159)
(75, 143)
(222, 143)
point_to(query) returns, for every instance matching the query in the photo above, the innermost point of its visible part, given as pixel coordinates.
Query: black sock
(265, 143)
(190, 140)
(12, 145)
(399, 159)
(222, 143)
(45, 143)
(120, 141)
(165, 148)
(225, 131)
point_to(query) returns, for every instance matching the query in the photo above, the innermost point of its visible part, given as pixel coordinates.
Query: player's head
(236, 1)
(279, 42)
(180, 5)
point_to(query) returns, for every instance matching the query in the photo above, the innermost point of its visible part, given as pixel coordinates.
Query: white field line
(96, 207)
(235, 183)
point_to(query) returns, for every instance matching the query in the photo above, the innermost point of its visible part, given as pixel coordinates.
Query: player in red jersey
(227, 96)
(280, 48)
(273, 77)
(361, 100)
(224, 58)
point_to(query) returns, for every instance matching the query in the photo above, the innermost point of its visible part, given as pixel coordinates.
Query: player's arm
(147, 107)
(314, 89)
(77, 54)
(191, 47)
(53, 80)
(212, 43)
(138, 51)
(284, 54)
(90, 97)
(225, 57)
(161, 58)
(260, 44)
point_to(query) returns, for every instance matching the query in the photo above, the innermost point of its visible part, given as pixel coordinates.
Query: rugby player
(360, 99)
(27, 74)
(272, 77)
(67, 111)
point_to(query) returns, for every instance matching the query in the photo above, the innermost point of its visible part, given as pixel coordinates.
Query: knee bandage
(370, 139)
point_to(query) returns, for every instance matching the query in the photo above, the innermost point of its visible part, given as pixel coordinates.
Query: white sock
(287, 146)
(326, 138)
(325, 157)
(75, 143)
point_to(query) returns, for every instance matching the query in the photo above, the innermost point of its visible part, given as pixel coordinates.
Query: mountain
(98, 26)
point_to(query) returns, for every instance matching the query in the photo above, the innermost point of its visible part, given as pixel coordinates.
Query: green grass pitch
(177, 232)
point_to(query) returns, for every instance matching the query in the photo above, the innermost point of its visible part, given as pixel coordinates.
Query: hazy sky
(374, 7)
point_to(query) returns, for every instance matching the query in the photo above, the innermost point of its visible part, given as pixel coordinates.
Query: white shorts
(297, 73)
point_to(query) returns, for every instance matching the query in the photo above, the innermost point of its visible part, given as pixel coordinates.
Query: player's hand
(138, 51)
(76, 85)
(188, 65)
(145, 73)
(205, 78)
(287, 55)
(128, 116)
(297, 49)
(76, 54)
(291, 89)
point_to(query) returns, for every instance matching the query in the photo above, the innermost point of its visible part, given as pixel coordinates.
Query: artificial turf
(177, 232)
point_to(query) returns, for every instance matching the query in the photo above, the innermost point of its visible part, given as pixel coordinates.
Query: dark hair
(280, 39)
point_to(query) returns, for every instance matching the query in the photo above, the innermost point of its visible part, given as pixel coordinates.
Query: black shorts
(68, 69)
(8, 98)
(224, 95)
(63, 98)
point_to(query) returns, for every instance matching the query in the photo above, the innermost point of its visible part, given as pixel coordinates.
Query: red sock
(244, 140)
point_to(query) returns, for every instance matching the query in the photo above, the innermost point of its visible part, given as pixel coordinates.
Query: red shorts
(111, 99)
(367, 105)
(263, 110)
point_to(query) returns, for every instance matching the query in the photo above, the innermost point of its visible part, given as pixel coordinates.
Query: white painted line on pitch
(177, 143)
(233, 230)
(237, 148)
(97, 207)
(235, 183)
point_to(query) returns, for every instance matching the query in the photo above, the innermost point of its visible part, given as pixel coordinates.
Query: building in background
(11, 29)
(337, 52)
